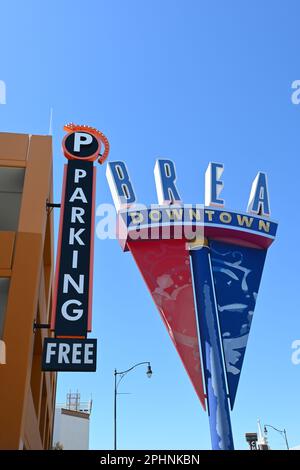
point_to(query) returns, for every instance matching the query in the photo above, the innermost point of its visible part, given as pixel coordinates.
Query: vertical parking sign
(73, 289)
(72, 303)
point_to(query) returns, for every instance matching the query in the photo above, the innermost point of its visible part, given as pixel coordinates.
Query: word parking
(73, 283)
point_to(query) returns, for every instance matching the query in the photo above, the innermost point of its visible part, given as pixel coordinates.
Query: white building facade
(72, 425)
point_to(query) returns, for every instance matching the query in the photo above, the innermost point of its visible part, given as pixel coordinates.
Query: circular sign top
(84, 143)
(81, 146)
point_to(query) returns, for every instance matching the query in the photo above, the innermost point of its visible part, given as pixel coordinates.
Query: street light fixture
(122, 375)
(282, 432)
(149, 372)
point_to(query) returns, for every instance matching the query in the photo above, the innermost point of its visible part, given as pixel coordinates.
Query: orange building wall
(27, 394)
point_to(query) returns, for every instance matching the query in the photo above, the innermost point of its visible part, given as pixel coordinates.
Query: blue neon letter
(120, 185)
(214, 185)
(165, 178)
(259, 197)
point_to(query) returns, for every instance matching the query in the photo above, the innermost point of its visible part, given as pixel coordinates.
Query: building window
(4, 286)
(11, 187)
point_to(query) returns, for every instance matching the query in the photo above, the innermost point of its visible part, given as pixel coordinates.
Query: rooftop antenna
(260, 433)
(262, 439)
(50, 122)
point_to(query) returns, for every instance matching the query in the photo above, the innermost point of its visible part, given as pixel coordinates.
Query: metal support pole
(115, 413)
(53, 205)
(122, 374)
(39, 326)
(217, 399)
(286, 441)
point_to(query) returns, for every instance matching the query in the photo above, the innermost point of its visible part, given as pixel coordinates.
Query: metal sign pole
(217, 399)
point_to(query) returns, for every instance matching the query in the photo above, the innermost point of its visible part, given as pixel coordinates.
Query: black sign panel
(81, 144)
(69, 355)
(73, 283)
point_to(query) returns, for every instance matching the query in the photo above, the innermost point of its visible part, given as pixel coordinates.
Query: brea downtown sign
(201, 263)
(188, 220)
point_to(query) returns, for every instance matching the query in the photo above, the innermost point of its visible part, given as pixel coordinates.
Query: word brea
(167, 192)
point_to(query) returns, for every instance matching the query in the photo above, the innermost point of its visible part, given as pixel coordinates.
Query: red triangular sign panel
(165, 267)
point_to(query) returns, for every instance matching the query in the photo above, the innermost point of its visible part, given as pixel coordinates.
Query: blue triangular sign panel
(237, 272)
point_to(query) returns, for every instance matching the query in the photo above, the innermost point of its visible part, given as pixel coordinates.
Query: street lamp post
(122, 375)
(281, 431)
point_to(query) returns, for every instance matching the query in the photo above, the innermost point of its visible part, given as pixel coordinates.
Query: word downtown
(193, 215)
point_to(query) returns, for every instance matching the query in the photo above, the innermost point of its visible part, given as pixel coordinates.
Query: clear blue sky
(194, 81)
